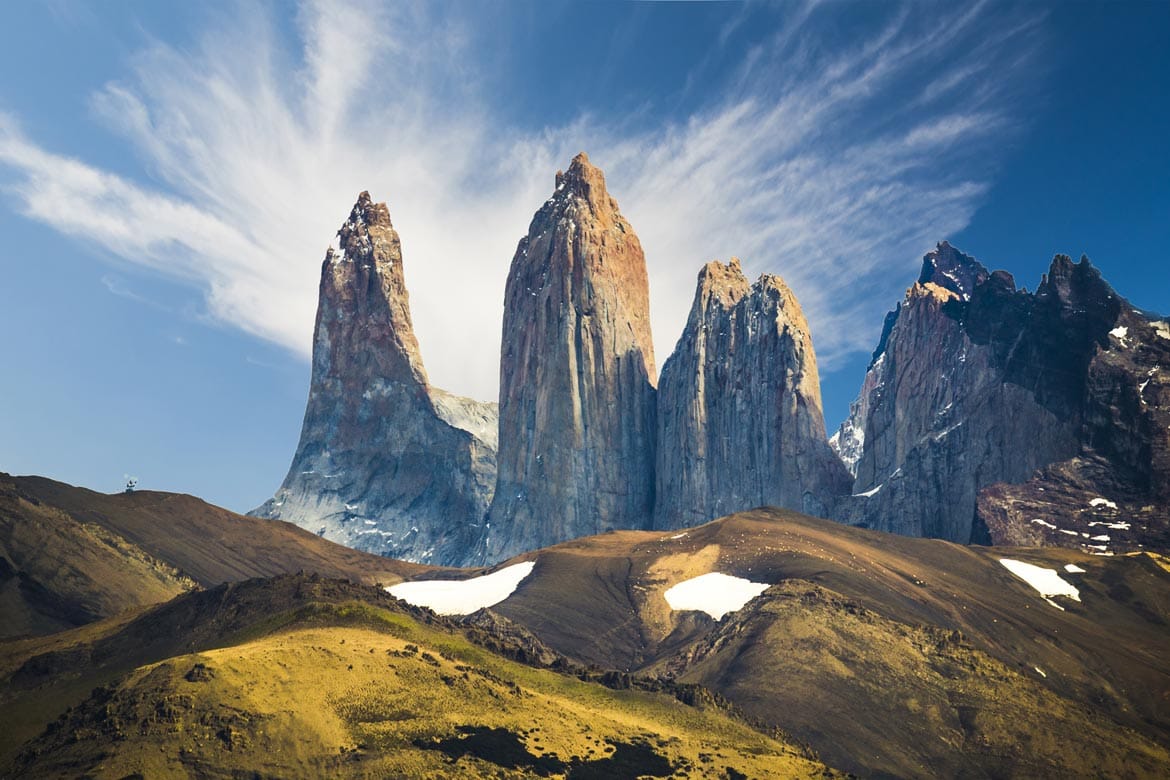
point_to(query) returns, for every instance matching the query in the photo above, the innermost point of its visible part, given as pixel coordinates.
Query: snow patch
(1072, 568)
(869, 492)
(714, 593)
(1046, 582)
(1102, 502)
(1120, 333)
(1162, 329)
(1120, 526)
(1044, 523)
(462, 597)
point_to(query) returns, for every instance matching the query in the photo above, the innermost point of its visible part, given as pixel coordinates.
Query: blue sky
(171, 175)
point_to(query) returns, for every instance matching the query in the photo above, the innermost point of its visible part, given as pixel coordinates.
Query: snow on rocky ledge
(462, 597)
(714, 593)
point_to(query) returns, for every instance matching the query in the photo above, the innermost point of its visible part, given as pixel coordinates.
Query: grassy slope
(819, 671)
(888, 699)
(887, 654)
(354, 689)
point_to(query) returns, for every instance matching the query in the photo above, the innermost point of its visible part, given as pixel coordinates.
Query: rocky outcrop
(386, 463)
(993, 414)
(577, 375)
(1114, 495)
(739, 407)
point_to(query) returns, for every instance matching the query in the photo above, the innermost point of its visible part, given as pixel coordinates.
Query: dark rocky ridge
(1041, 409)
(739, 407)
(577, 375)
(380, 466)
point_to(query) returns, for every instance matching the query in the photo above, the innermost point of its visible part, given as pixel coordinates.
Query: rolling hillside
(301, 676)
(889, 655)
(69, 555)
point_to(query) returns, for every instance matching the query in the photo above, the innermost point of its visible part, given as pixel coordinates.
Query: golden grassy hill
(318, 678)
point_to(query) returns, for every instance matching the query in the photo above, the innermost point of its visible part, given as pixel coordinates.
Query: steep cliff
(1027, 406)
(577, 375)
(386, 463)
(739, 407)
(1114, 495)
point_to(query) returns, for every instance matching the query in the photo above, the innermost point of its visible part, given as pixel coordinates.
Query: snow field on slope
(462, 597)
(714, 593)
(1046, 582)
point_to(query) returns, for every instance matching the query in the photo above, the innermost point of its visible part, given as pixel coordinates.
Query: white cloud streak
(834, 164)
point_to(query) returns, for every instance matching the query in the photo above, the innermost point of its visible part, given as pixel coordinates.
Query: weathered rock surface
(739, 407)
(1026, 405)
(577, 375)
(1114, 495)
(386, 463)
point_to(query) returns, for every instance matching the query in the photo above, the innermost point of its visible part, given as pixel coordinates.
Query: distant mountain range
(988, 413)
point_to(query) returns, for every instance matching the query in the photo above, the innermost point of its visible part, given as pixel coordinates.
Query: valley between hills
(621, 573)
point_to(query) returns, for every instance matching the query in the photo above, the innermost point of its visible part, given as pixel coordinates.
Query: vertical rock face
(739, 407)
(577, 375)
(385, 463)
(979, 390)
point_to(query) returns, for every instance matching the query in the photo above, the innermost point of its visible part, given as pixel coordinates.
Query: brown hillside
(890, 655)
(70, 555)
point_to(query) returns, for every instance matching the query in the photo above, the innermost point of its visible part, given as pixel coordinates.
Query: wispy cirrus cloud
(834, 159)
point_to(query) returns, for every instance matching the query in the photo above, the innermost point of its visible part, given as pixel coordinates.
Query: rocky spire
(577, 375)
(384, 463)
(739, 407)
(950, 269)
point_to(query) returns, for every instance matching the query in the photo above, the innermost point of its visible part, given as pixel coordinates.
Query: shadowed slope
(69, 556)
(209, 544)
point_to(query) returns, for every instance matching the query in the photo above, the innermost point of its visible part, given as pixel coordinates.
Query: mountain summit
(739, 407)
(386, 463)
(577, 375)
(991, 414)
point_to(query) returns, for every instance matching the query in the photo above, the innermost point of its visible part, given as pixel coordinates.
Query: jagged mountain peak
(367, 228)
(1065, 276)
(739, 406)
(953, 270)
(722, 283)
(774, 284)
(582, 182)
